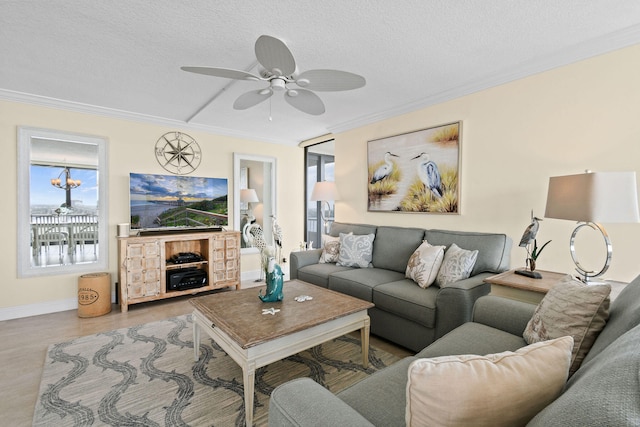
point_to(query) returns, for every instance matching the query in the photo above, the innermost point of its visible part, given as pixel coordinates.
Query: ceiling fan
(281, 73)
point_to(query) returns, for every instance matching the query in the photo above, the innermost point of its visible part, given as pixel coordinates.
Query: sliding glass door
(319, 166)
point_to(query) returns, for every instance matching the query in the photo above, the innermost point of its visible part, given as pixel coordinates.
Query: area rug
(146, 376)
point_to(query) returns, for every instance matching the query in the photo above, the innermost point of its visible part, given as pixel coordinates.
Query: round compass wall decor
(178, 153)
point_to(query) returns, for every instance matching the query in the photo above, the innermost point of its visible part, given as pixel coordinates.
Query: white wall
(130, 149)
(514, 137)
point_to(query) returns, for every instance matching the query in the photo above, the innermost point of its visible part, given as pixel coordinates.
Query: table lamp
(324, 192)
(592, 198)
(248, 196)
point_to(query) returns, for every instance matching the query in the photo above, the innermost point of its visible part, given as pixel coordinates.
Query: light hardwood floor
(24, 344)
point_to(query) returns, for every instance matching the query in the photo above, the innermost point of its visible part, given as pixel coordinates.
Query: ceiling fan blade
(252, 98)
(330, 80)
(305, 101)
(222, 72)
(273, 54)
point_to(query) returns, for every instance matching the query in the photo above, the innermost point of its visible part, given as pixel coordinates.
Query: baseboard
(37, 309)
(47, 307)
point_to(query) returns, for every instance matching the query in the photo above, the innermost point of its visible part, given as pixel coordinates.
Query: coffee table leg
(248, 378)
(364, 338)
(196, 340)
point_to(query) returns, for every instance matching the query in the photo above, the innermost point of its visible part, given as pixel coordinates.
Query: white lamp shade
(325, 190)
(249, 195)
(600, 197)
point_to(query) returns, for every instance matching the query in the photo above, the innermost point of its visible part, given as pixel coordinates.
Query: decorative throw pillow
(571, 308)
(456, 265)
(503, 389)
(330, 249)
(356, 250)
(424, 264)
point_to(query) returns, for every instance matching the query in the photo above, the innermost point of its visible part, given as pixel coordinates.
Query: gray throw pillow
(457, 265)
(356, 251)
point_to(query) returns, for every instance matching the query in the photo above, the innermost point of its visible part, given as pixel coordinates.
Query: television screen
(170, 201)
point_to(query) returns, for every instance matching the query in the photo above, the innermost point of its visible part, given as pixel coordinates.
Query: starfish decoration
(272, 311)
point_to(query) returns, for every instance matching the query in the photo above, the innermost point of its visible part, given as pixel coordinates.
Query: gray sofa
(405, 313)
(604, 391)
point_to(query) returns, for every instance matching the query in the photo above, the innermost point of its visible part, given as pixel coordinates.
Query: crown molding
(77, 107)
(614, 41)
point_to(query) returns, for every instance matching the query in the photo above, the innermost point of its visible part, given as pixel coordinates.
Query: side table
(514, 286)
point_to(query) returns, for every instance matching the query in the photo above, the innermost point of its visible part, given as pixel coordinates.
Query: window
(62, 216)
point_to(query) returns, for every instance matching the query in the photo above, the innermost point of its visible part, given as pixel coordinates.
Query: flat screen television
(159, 202)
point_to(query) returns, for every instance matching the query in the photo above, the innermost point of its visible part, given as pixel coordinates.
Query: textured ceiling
(122, 58)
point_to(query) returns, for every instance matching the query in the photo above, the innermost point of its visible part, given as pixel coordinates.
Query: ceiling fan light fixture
(292, 92)
(302, 82)
(278, 84)
(265, 91)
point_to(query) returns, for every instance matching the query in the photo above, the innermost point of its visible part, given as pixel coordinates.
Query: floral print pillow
(424, 264)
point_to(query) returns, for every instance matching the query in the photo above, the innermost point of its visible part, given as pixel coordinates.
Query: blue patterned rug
(146, 376)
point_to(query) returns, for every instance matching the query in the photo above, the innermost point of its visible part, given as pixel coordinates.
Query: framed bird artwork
(416, 171)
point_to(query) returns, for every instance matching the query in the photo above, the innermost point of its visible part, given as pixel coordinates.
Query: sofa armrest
(300, 259)
(503, 313)
(454, 303)
(303, 402)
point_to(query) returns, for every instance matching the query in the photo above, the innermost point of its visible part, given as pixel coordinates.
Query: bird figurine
(530, 232)
(385, 170)
(429, 174)
(277, 236)
(529, 237)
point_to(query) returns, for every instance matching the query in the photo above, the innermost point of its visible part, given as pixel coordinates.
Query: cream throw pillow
(571, 308)
(330, 249)
(503, 389)
(424, 264)
(457, 265)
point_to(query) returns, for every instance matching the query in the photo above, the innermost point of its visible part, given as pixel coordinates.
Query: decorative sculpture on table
(277, 237)
(528, 237)
(274, 283)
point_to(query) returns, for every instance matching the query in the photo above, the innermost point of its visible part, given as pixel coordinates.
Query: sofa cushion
(330, 249)
(473, 338)
(603, 392)
(359, 282)
(394, 246)
(424, 264)
(356, 250)
(571, 308)
(380, 398)
(624, 315)
(403, 298)
(494, 250)
(456, 265)
(346, 228)
(318, 274)
(503, 389)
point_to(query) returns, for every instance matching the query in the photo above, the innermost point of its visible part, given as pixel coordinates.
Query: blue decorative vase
(274, 281)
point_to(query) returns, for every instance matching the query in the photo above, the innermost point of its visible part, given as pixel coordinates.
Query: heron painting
(416, 171)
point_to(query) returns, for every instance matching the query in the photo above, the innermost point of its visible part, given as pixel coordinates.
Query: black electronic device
(185, 257)
(186, 278)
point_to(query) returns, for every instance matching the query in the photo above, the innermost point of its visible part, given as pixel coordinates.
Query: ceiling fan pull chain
(270, 117)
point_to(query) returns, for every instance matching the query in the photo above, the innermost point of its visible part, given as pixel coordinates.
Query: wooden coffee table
(235, 321)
